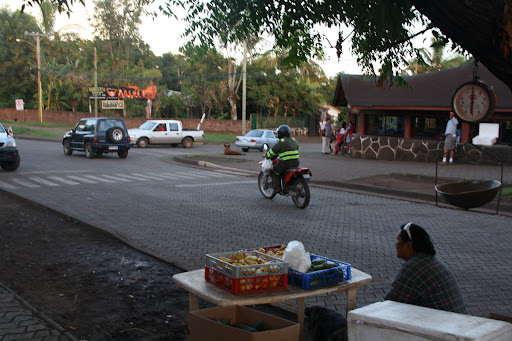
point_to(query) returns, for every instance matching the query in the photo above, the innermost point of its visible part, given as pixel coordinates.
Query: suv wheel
(89, 151)
(123, 154)
(116, 134)
(67, 148)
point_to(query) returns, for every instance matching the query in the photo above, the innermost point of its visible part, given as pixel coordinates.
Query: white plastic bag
(266, 166)
(297, 257)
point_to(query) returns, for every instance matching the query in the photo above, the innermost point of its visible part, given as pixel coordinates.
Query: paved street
(179, 213)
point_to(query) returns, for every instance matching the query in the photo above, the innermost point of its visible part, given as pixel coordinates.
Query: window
(429, 126)
(270, 135)
(173, 126)
(385, 125)
(86, 125)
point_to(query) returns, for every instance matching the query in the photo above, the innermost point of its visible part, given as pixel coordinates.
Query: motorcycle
(295, 183)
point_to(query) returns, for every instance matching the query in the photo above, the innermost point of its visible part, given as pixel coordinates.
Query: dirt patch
(88, 282)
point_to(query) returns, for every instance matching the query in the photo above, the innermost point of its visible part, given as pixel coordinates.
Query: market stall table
(195, 283)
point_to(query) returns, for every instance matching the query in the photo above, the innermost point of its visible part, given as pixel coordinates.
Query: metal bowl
(469, 194)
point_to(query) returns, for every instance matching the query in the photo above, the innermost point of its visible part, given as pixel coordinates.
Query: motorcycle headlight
(10, 144)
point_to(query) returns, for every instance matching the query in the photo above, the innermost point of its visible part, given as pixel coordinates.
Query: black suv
(98, 135)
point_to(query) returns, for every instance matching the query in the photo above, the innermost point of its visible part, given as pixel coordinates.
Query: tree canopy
(380, 30)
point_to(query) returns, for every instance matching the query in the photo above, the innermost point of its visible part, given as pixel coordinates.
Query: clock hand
(472, 100)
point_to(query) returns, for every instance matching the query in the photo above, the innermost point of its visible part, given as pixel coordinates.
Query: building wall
(71, 118)
(400, 149)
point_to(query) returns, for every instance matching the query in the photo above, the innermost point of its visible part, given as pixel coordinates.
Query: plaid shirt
(426, 281)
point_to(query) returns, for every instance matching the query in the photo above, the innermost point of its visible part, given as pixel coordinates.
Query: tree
(381, 29)
(427, 61)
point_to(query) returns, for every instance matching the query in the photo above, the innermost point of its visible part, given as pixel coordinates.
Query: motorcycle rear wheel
(265, 185)
(301, 195)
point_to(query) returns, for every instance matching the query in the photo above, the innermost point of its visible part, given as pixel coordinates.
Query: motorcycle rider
(287, 149)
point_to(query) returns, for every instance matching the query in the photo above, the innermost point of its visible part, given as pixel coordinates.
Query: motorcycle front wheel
(301, 195)
(265, 185)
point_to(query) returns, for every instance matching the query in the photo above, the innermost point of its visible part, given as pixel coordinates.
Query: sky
(163, 35)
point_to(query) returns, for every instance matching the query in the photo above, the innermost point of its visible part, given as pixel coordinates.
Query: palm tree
(434, 60)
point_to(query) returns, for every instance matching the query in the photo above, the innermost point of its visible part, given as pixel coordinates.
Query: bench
(487, 134)
(395, 321)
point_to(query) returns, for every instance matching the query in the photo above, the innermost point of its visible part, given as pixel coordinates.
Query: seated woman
(423, 280)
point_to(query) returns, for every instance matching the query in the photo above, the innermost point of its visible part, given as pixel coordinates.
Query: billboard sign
(123, 92)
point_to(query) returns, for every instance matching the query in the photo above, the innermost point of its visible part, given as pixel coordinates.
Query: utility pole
(38, 57)
(244, 88)
(95, 84)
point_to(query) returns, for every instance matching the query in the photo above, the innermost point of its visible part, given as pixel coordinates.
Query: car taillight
(95, 139)
(237, 139)
(128, 139)
(253, 140)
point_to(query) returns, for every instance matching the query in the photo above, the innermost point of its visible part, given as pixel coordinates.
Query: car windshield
(255, 133)
(147, 125)
(2, 130)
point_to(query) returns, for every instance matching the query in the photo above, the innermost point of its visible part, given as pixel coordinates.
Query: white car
(257, 139)
(9, 155)
(164, 132)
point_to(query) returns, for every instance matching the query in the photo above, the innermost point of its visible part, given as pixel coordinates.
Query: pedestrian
(326, 136)
(350, 132)
(424, 280)
(450, 137)
(339, 145)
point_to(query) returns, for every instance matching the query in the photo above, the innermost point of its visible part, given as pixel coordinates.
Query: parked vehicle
(257, 139)
(165, 132)
(295, 182)
(97, 136)
(9, 154)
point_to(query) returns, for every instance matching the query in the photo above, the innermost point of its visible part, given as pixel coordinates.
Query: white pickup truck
(164, 132)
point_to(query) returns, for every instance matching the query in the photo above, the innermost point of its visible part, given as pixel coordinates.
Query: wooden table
(197, 286)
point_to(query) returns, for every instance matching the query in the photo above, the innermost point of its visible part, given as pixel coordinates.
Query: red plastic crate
(246, 285)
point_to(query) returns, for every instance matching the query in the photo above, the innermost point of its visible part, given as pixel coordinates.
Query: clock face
(474, 101)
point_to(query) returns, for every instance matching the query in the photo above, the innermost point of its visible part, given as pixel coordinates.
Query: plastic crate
(246, 285)
(277, 266)
(320, 278)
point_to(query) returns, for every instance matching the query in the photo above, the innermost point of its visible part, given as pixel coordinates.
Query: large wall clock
(474, 101)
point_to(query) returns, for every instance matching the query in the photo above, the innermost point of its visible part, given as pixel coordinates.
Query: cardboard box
(202, 327)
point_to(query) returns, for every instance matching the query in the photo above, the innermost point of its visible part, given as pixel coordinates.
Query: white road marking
(114, 178)
(217, 184)
(82, 179)
(131, 177)
(98, 178)
(67, 182)
(6, 185)
(43, 181)
(25, 183)
(149, 177)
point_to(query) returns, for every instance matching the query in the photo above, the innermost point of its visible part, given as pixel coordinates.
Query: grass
(30, 128)
(219, 138)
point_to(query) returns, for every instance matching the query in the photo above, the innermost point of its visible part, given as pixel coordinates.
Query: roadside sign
(112, 104)
(19, 104)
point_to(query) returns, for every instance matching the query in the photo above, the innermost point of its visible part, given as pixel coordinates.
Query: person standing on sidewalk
(450, 137)
(326, 136)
